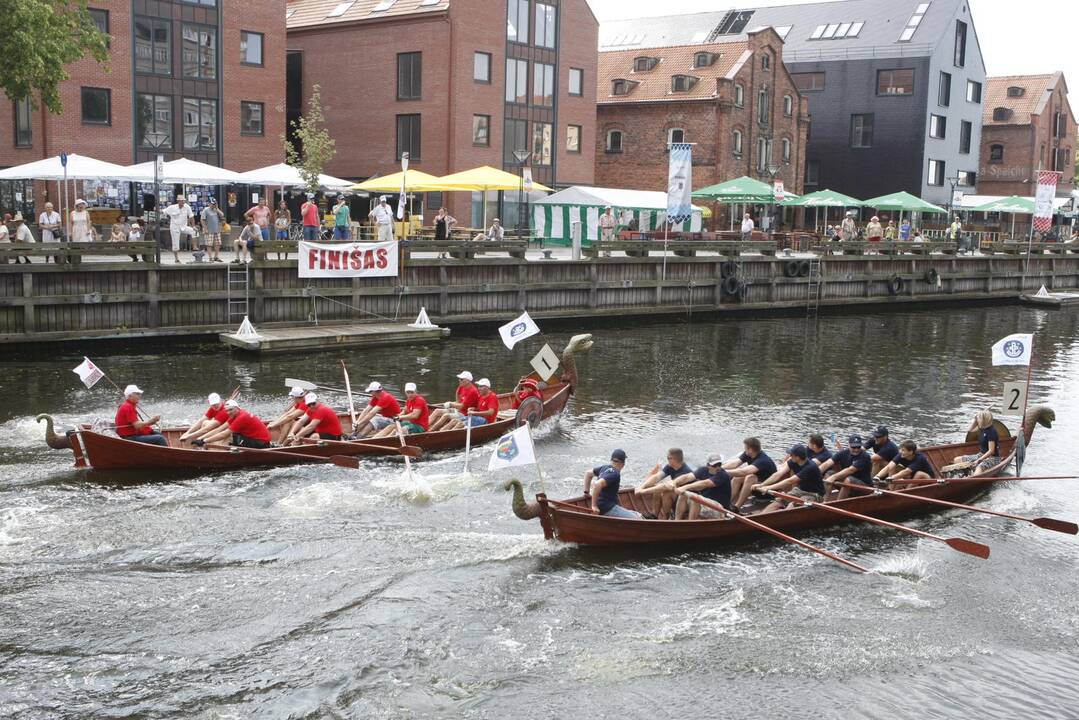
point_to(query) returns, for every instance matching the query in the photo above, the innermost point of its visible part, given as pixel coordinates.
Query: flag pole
(1026, 395)
(468, 439)
(539, 470)
(106, 376)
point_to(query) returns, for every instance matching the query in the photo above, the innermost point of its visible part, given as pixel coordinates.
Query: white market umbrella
(285, 175)
(183, 172)
(79, 167)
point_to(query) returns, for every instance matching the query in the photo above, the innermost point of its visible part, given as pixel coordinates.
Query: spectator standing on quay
(874, 232)
(747, 228)
(82, 230)
(904, 230)
(608, 223)
(955, 234)
(135, 235)
(260, 213)
(180, 217)
(211, 218)
(342, 219)
(890, 231)
(311, 221)
(444, 223)
(383, 217)
(281, 223)
(23, 236)
(51, 225)
(847, 230)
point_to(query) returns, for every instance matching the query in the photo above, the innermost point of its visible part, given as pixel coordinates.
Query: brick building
(735, 100)
(202, 79)
(1027, 125)
(455, 83)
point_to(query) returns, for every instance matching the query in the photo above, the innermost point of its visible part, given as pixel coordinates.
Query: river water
(322, 592)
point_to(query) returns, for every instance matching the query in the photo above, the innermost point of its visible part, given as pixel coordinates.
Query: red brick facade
(710, 118)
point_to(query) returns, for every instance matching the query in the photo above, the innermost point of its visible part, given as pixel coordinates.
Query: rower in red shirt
(242, 429)
(379, 413)
(415, 418)
(322, 422)
(129, 426)
(295, 415)
(468, 398)
(525, 389)
(215, 417)
(485, 412)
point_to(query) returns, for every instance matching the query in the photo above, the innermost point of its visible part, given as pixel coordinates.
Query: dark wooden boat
(572, 520)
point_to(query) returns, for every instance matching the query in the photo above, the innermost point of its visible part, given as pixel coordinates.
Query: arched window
(736, 142)
(739, 96)
(766, 62)
(786, 150)
(996, 153)
(788, 105)
(675, 135)
(762, 106)
(614, 141)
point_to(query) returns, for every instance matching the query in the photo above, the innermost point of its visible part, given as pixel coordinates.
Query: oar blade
(969, 547)
(411, 451)
(345, 461)
(1061, 526)
(302, 384)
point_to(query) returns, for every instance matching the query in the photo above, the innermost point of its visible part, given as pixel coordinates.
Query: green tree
(313, 147)
(41, 37)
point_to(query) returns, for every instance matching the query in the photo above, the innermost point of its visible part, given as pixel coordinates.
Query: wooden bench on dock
(70, 251)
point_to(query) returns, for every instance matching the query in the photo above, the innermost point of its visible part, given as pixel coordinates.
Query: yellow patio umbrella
(415, 181)
(485, 179)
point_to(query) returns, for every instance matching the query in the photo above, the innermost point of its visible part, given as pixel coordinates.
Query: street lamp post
(521, 157)
(156, 140)
(952, 212)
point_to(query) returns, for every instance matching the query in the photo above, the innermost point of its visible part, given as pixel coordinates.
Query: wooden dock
(299, 338)
(1053, 300)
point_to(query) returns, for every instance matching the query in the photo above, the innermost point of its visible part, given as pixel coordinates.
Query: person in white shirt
(49, 222)
(747, 227)
(383, 217)
(180, 217)
(496, 233)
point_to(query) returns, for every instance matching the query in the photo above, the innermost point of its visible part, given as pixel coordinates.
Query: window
(198, 52)
(682, 83)
(703, 59)
(1015, 91)
(736, 143)
(481, 67)
(408, 136)
(786, 145)
(966, 129)
(766, 62)
(545, 25)
(788, 106)
(938, 126)
(514, 138)
(200, 124)
(967, 178)
(517, 20)
(974, 91)
(895, 82)
(813, 173)
(543, 84)
(251, 47)
(542, 143)
(621, 87)
(614, 141)
(409, 75)
(996, 154)
(763, 107)
(1060, 125)
(944, 91)
(24, 132)
(675, 135)
(808, 82)
(576, 81)
(936, 173)
(914, 22)
(96, 106)
(153, 121)
(481, 130)
(251, 117)
(734, 22)
(830, 31)
(861, 131)
(644, 64)
(152, 53)
(516, 81)
(573, 138)
(960, 58)
(341, 8)
(764, 154)
(100, 18)
(739, 96)
(1001, 114)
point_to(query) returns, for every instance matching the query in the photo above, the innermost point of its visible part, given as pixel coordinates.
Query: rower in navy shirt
(711, 481)
(805, 482)
(910, 467)
(988, 455)
(817, 452)
(663, 492)
(751, 467)
(882, 450)
(851, 465)
(602, 483)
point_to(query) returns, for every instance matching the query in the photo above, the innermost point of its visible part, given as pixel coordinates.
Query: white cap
(375, 385)
(132, 390)
(464, 375)
(310, 398)
(410, 387)
(382, 198)
(80, 201)
(484, 382)
(296, 392)
(230, 404)
(214, 399)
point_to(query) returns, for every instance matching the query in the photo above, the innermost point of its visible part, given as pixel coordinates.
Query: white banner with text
(323, 260)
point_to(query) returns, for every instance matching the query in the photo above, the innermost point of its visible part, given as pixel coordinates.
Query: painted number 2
(1014, 400)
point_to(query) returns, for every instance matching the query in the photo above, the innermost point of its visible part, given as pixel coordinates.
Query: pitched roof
(1036, 92)
(655, 84)
(883, 23)
(300, 14)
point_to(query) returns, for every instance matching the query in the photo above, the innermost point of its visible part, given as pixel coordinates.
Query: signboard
(1043, 199)
(320, 260)
(778, 192)
(63, 160)
(957, 199)
(545, 362)
(527, 172)
(1014, 399)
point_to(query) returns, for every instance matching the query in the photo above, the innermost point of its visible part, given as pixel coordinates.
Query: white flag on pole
(513, 449)
(1013, 350)
(88, 372)
(517, 330)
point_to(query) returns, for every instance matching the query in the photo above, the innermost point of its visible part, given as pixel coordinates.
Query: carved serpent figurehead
(56, 442)
(577, 344)
(1038, 415)
(522, 509)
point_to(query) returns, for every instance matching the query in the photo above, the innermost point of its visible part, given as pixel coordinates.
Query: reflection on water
(324, 592)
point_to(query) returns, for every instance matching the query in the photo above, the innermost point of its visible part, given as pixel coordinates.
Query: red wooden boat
(572, 520)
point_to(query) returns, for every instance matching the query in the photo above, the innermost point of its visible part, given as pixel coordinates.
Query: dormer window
(704, 59)
(1001, 114)
(682, 83)
(1016, 91)
(622, 87)
(766, 62)
(644, 64)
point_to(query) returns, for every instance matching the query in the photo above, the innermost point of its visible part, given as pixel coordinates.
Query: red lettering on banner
(334, 260)
(383, 261)
(354, 259)
(311, 257)
(368, 260)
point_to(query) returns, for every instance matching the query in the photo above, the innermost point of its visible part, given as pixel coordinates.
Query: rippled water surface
(321, 592)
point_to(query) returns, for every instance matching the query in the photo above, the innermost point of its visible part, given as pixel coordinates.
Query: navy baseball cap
(881, 431)
(799, 451)
(854, 441)
(619, 455)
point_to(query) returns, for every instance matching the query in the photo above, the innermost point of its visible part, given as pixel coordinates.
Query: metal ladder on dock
(816, 283)
(237, 283)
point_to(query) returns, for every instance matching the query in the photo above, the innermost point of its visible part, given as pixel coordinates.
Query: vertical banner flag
(680, 183)
(513, 449)
(778, 192)
(88, 372)
(517, 330)
(1014, 350)
(404, 194)
(1043, 199)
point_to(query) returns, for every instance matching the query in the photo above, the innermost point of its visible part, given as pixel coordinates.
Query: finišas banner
(323, 260)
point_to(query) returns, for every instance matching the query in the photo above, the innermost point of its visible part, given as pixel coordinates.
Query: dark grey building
(894, 86)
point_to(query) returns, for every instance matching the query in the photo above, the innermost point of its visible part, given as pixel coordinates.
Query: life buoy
(932, 276)
(791, 268)
(895, 285)
(728, 269)
(803, 268)
(731, 285)
(530, 411)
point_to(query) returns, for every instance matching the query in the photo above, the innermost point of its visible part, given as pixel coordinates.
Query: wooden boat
(572, 520)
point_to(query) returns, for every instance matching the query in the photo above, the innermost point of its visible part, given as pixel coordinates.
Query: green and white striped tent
(553, 216)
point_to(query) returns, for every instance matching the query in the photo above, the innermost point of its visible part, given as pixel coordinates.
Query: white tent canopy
(79, 167)
(184, 172)
(285, 175)
(553, 216)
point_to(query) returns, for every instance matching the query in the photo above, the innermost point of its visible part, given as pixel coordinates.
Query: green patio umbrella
(738, 191)
(1010, 205)
(903, 201)
(823, 199)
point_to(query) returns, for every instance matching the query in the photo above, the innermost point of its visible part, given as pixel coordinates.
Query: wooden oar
(1002, 478)
(764, 528)
(966, 546)
(346, 461)
(1062, 526)
(408, 451)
